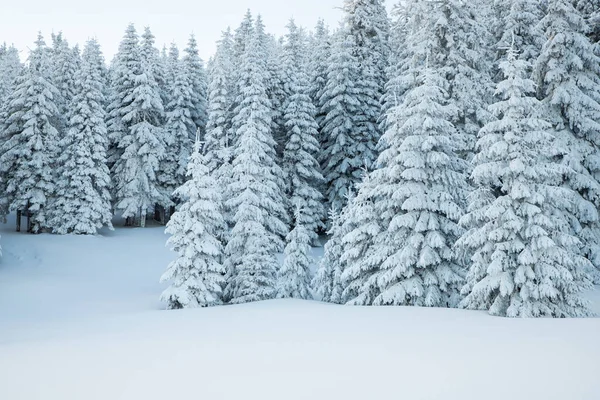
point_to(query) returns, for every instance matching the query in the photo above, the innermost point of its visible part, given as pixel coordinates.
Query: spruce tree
(407, 212)
(196, 276)
(293, 278)
(10, 68)
(82, 203)
(178, 130)
(218, 144)
(570, 92)
(341, 156)
(301, 169)
(65, 65)
(368, 29)
(520, 26)
(525, 260)
(256, 197)
(197, 77)
(137, 114)
(320, 50)
(323, 281)
(220, 92)
(328, 280)
(30, 140)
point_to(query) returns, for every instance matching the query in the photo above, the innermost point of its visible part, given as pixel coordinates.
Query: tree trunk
(142, 217)
(171, 212)
(18, 220)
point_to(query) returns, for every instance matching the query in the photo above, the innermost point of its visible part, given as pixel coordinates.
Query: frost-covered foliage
(179, 128)
(406, 257)
(82, 198)
(29, 140)
(256, 196)
(218, 144)
(320, 49)
(65, 66)
(367, 24)
(10, 68)
(341, 155)
(293, 278)
(525, 260)
(301, 169)
(197, 77)
(136, 128)
(197, 275)
(568, 76)
(519, 23)
(350, 100)
(329, 266)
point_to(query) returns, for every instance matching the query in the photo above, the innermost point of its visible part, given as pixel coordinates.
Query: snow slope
(80, 319)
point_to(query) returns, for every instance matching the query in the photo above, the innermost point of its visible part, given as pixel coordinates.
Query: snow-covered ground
(80, 319)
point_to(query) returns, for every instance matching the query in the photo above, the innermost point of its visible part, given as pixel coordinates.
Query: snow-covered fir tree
(136, 114)
(525, 260)
(400, 251)
(82, 197)
(197, 275)
(29, 141)
(220, 92)
(568, 77)
(302, 171)
(178, 130)
(293, 278)
(323, 281)
(10, 68)
(367, 24)
(218, 146)
(122, 77)
(320, 50)
(519, 23)
(327, 282)
(197, 77)
(256, 197)
(65, 65)
(341, 155)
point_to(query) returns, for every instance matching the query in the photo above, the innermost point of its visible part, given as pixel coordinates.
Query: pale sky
(170, 20)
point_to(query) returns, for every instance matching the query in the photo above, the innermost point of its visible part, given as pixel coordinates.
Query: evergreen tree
(29, 141)
(293, 277)
(178, 130)
(525, 262)
(10, 68)
(317, 67)
(82, 203)
(328, 280)
(197, 77)
(197, 273)
(520, 24)
(323, 281)
(255, 238)
(568, 76)
(367, 24)
(122, 76)
(138, 113)
(218, 144)
(302, 171)
(400, 250)
(65, 65)
(341, 157)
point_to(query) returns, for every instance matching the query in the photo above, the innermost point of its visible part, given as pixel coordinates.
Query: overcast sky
(170, 20)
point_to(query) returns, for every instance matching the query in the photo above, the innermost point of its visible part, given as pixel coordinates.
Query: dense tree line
(455, 145)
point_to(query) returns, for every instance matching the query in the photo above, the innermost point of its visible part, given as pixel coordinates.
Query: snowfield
(80, 319)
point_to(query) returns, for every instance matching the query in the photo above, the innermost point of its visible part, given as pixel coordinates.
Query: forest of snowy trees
(449, 152)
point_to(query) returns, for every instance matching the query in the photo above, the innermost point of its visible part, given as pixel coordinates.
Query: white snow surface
(80, 319)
